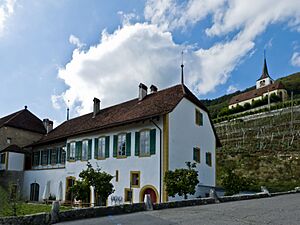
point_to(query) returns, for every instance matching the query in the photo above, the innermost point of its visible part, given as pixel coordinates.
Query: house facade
(17, 130)
(265, 86)
(136, 141)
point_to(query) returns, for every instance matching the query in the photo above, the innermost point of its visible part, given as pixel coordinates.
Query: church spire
(182, 80)
(265, 72)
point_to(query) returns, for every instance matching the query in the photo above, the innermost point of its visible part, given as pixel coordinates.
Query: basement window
(128, 195)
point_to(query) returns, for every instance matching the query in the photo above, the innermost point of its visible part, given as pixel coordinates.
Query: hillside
(264, 148)
(291, 82)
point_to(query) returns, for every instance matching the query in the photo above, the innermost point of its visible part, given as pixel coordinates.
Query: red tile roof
(255, 93)
(25, 120)
(155, 104)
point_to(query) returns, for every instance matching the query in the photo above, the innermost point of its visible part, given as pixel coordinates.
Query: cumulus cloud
(113, 69)
(295, 60)
(146, 52)
(75, 41)
(231, 89)
(6, 10)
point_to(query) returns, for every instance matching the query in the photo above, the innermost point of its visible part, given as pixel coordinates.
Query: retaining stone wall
(36, 219)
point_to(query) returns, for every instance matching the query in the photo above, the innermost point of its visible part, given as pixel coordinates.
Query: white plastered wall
(148, 166)
(185, 134)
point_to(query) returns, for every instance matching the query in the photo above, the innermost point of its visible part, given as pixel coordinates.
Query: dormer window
(8, 140)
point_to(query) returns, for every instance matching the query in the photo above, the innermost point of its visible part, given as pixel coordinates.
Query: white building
(136, 141)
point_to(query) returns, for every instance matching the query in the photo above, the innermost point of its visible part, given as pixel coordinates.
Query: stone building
(17, 131)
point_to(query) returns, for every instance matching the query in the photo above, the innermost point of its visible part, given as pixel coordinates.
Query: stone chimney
(96, 107)
(142, 91)
(153, 89)
(48, 124)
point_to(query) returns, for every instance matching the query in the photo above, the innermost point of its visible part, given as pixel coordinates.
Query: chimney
(142, 91)
(153, 89)
(96, 107)
(48, 124)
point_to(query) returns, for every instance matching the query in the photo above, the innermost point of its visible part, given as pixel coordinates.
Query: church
(265, 86)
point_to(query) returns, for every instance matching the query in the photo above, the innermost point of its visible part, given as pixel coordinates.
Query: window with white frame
(63, 155)
(53, 156)
(122, 145)
(101, 147)
(72, 150)
(45, 157)
(85, 145)
(145, 142)
(36, 158)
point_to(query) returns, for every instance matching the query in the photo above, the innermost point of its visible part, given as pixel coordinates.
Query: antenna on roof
(182, 81)
(68, 111)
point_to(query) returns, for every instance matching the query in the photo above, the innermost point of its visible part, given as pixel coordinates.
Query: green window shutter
(78, 150)
(152, 141)
(137, 143)
(107, 147)
(115, 150)
(96, 148)
(58, 155)
(194, 154)
(128, 144)
(49, 156)
(68, 151)
(39, 161)
(90, 149)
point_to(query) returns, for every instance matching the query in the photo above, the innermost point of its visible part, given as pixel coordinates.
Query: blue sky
(58, 53)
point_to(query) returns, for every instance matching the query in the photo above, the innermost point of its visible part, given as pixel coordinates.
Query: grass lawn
(28, 208)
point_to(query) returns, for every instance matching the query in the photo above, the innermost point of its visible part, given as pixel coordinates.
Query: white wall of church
(185, 134)
(264, 82)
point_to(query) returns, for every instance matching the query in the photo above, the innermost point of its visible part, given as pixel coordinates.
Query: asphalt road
(284, 210)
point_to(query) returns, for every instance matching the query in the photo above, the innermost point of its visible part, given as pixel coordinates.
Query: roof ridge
(125, 102)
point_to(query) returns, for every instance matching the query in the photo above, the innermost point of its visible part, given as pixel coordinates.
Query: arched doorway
(149, 189)
(34, 192)
(70, 181)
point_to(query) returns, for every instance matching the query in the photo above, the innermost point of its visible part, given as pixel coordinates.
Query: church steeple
(265, 78)
(265, 73)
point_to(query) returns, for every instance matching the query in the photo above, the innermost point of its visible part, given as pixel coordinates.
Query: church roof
(135, 110)
(255, 93)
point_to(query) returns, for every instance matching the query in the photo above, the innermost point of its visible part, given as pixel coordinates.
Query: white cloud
(112, 69)
(231, 89)
(243, 20)
(127, 18)
(6, 10)
(295, 60)
(75, 41)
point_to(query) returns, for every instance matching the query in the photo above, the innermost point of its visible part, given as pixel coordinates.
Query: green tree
(233, 183)
(101, 181)
(182, 181)
(81, 190)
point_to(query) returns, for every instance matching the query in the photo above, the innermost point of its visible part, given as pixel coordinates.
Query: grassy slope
(291, 82)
